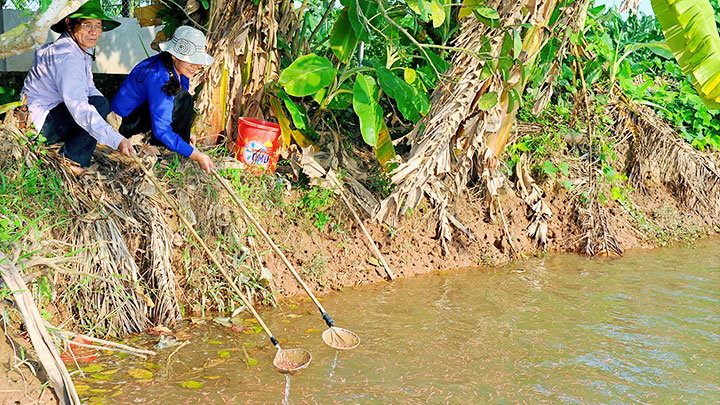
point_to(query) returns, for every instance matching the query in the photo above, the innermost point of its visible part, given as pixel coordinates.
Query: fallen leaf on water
(249, 331)
(313, 331)
(213, 362)
(158, 330)
(81, 388)
(250, 320)
(152, 366)
(99, 390)
(223, 321)
(140, 373)
(109, 372)
(116, 393)
(100, 376)
(211, 377)
(251, 362)
(223, 354)
(122, 355)
(191, 384)
(93, 368)
(215, 342)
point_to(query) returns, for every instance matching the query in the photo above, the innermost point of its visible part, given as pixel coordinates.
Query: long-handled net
(335, 337)
(286, 360)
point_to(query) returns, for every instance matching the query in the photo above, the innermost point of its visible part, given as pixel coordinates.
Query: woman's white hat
(188, 44)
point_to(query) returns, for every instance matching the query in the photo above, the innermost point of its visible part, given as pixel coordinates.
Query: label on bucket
(255, 153)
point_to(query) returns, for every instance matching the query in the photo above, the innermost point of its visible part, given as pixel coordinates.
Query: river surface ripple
(644, 328)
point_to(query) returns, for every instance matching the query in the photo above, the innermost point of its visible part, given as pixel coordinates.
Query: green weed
(315, 204)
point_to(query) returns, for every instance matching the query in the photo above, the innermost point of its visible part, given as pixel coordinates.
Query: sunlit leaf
(296, 112)
(549, 168)
(422, 8)
(692, 35)
(139, 373)
(214, 342)
(93, 368)
(517, 43)
(251, 361)
(438, 13)
(223, 353)
(342, 38)
(191, 384)
(563, 166)
(487, 101)
(373, 261)
(285, 130)
(369, 10)
(488, 12)
(412, 103)
(306, 75)
(367, 108)
(385, 151)
(468, 6)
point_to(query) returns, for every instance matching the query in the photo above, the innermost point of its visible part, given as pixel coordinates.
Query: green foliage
(307, 75)
(393, 72)
(314, 204)
(30, 194)
(365, 94)
(343, 39)
(630, 53)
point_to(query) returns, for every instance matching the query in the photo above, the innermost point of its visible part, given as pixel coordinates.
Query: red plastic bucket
(258, 144)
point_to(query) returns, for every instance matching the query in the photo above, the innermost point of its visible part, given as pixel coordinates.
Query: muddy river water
(644, 328)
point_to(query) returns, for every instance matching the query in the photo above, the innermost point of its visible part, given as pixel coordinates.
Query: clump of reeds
(129, 265)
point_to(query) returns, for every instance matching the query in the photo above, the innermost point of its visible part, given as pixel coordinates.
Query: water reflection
(562, 328)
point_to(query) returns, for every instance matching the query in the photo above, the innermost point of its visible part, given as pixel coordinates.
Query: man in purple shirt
(61, 95)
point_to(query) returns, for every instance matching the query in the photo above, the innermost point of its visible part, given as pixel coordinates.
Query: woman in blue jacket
(155, 97)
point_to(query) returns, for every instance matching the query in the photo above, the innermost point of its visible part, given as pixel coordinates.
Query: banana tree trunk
(243, 39)
(462, 136)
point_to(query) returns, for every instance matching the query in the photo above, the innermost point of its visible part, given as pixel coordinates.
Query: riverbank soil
(18, 384)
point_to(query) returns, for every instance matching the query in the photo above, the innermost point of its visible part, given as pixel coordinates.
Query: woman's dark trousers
(139, 120)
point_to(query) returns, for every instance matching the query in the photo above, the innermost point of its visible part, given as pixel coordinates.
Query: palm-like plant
(691, 33)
